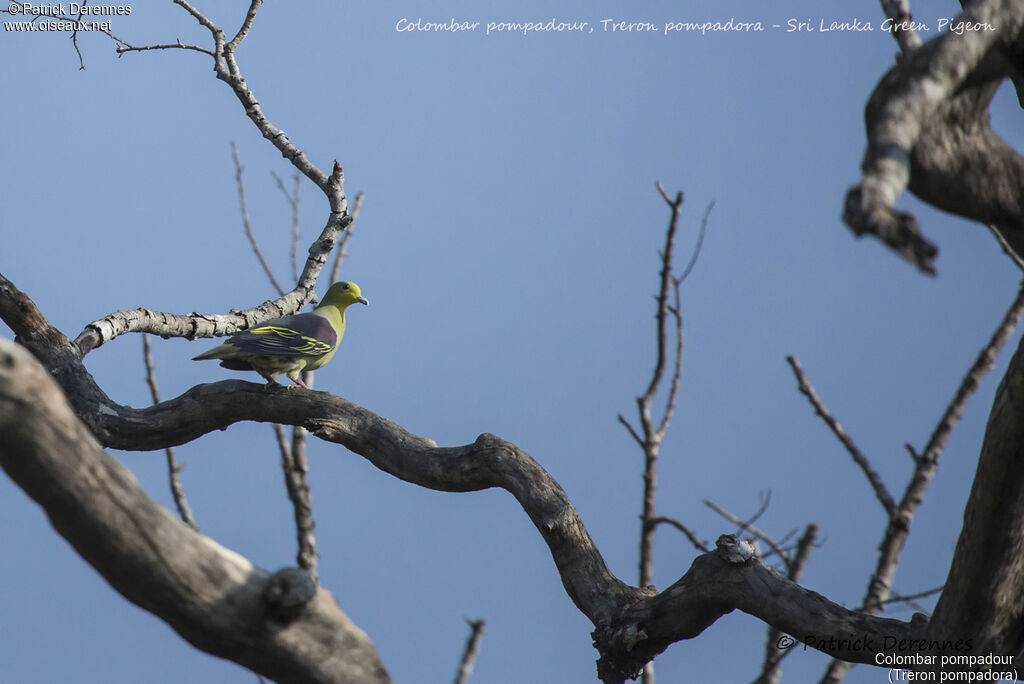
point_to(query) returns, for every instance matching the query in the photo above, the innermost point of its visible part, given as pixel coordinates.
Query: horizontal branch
(195, 325)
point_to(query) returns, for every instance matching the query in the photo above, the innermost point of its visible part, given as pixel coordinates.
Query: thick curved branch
(732, 577)
(928, 130)
(984, 592)
(277, 625)
(632, 626)
(771, 671)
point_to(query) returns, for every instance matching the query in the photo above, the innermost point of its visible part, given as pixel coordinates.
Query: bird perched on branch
(291, 344)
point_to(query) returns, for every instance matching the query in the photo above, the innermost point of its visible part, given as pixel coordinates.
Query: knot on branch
(734, 550)
(488, 441)
(287, 592)
(616, 644)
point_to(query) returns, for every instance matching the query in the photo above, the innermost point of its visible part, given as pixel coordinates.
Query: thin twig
(898, 598)
(74, 41)
(700, 242)
(652, 435)
(243, 31)
(690, 534)
(245, 220)
(881, 492)
(803, 552)
(470, 652)
(297, 484)
(173, 467)
(127, 47)
(282, 442)
(744, 526)
(766, 500)
(1010, 251)
(292, 198)
(342, 248)
(677, 368)
(632, 432)
(662, 299)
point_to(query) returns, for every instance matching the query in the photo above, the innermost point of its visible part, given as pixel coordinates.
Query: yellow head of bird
(343, 293)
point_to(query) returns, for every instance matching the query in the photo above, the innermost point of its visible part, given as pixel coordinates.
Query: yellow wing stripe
(295, 340)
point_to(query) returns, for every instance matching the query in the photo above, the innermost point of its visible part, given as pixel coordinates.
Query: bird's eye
(344, 286)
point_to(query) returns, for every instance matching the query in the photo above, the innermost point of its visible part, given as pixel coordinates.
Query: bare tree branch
(247, 225)
(295, 468)
(1007, 249)
(652, 436)
(881, 492)
(690, 534)
(243, 31)
(343, 245)
(700, 243)
(907, 598)
(178, 45)
(173, 467)
(661, 336)
(292, 198)
(766, 500)
(632, 432)
(469, 654)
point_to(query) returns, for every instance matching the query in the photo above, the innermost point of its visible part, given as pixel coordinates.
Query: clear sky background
(508, 245)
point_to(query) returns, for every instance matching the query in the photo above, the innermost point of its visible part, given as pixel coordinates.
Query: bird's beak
(363, 300)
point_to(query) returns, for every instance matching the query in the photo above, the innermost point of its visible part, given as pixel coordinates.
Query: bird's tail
(214, 353)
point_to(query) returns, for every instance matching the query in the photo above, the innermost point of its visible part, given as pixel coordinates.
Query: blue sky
(508, 245)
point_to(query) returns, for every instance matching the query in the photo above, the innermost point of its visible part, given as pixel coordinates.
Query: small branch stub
(287, 593)
(734, 550)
